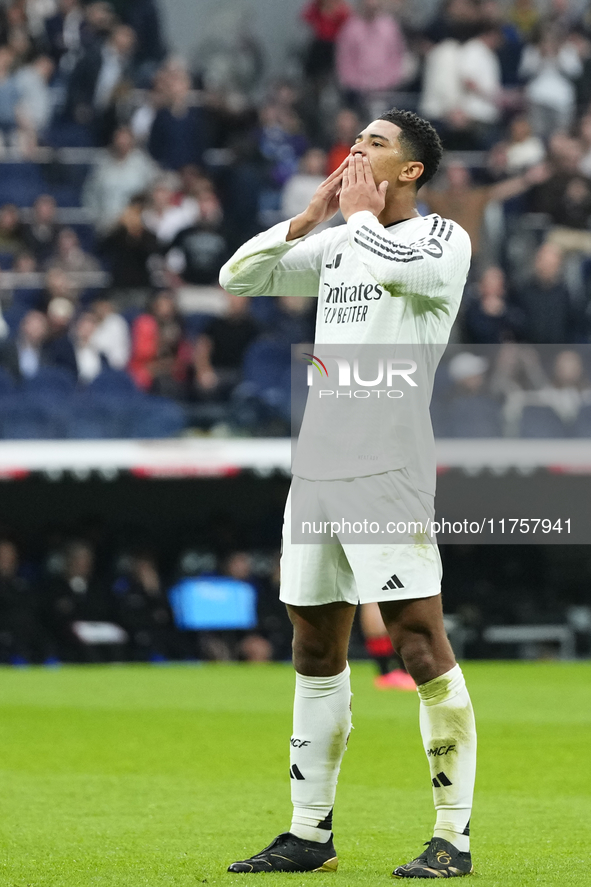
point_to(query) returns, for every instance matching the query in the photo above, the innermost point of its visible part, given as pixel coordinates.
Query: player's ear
(411, 171)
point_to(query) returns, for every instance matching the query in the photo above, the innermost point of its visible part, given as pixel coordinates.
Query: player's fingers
(338, 171)
(345, 179)
(351, 173)
(359, 168)
(367, 171)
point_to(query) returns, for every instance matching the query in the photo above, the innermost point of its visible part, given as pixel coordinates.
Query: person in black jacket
(142, 609)
(77, 595)
(489, 319)
(549, 317)
(96, 80)
(22, 637)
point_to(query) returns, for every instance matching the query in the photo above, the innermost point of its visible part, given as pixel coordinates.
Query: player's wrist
(300, 225)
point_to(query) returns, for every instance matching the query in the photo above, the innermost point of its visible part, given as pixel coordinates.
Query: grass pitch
(130, 776)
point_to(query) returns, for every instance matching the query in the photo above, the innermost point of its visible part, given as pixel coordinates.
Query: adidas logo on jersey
(336, 262)
(393, 582)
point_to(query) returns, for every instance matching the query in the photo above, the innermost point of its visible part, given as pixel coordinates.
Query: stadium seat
(114, 382)
(155, 417)
(265, 368)
(31, 417)
(51, 381)
(93, 418)
(541, 422)
(477, 416)
(582, 425)
(7, 383)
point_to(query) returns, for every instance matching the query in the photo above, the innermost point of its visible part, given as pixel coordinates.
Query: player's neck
(400, 207)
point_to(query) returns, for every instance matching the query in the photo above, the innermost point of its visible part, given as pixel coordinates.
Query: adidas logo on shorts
(393, 582)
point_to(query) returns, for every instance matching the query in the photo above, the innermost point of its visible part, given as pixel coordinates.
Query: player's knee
(317, 657)
(419, 651)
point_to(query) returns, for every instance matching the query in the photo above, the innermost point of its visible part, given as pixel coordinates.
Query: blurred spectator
(101, 74)
(489, 320)
(21, 634)
(58, 285)
(298, 191)
(159, 354)
(325, 19)
(523, 148)
(462, 89)
(552, 410)
(9, 94)
(281, 141)
(582, 41)
(99, 21)
(70, 257)
(441, 90)
(12, 231)
(41, 233)
(144, 114)
(24, 263)
(347, 127)
(128, 249)
(220, 349)
(63, 35)
(167, 214)
(465, 203)
(585, 138)
(124, 173)
(111, 334)
(144, 17)
(511, 42)
(197, 253)
(455, 19)
(58, 350)
(35, 105)
(549, 67)
(88, 358)
(77, 595)
(472, 412)
(370, 55)
(142, 609)
(23, 356)
(525, 16)
(179, 131)
(544, 299)
(482, 93)
(566, 197)
(229, 59)
(517, 368)
(18, 36)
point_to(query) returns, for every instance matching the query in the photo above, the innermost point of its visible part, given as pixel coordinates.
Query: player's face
(379, 142)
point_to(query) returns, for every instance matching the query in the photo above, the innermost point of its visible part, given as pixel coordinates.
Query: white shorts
(314, 573)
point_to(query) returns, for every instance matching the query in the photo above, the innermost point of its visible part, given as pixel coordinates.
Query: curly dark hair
(419, 139)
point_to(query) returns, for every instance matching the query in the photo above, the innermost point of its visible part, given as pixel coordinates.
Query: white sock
(321, 727)
(449, 737)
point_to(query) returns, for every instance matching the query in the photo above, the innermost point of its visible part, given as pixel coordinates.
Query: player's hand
(323, 206)
(358, 189)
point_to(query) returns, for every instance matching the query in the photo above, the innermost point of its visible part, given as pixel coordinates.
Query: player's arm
(419, 271)
(277, 262)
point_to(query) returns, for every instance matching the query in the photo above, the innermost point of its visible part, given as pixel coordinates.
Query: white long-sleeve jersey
(399, 285)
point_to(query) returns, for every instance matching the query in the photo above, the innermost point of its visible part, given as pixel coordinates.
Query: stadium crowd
(71, 597)
(109, 257)
(77, 605)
